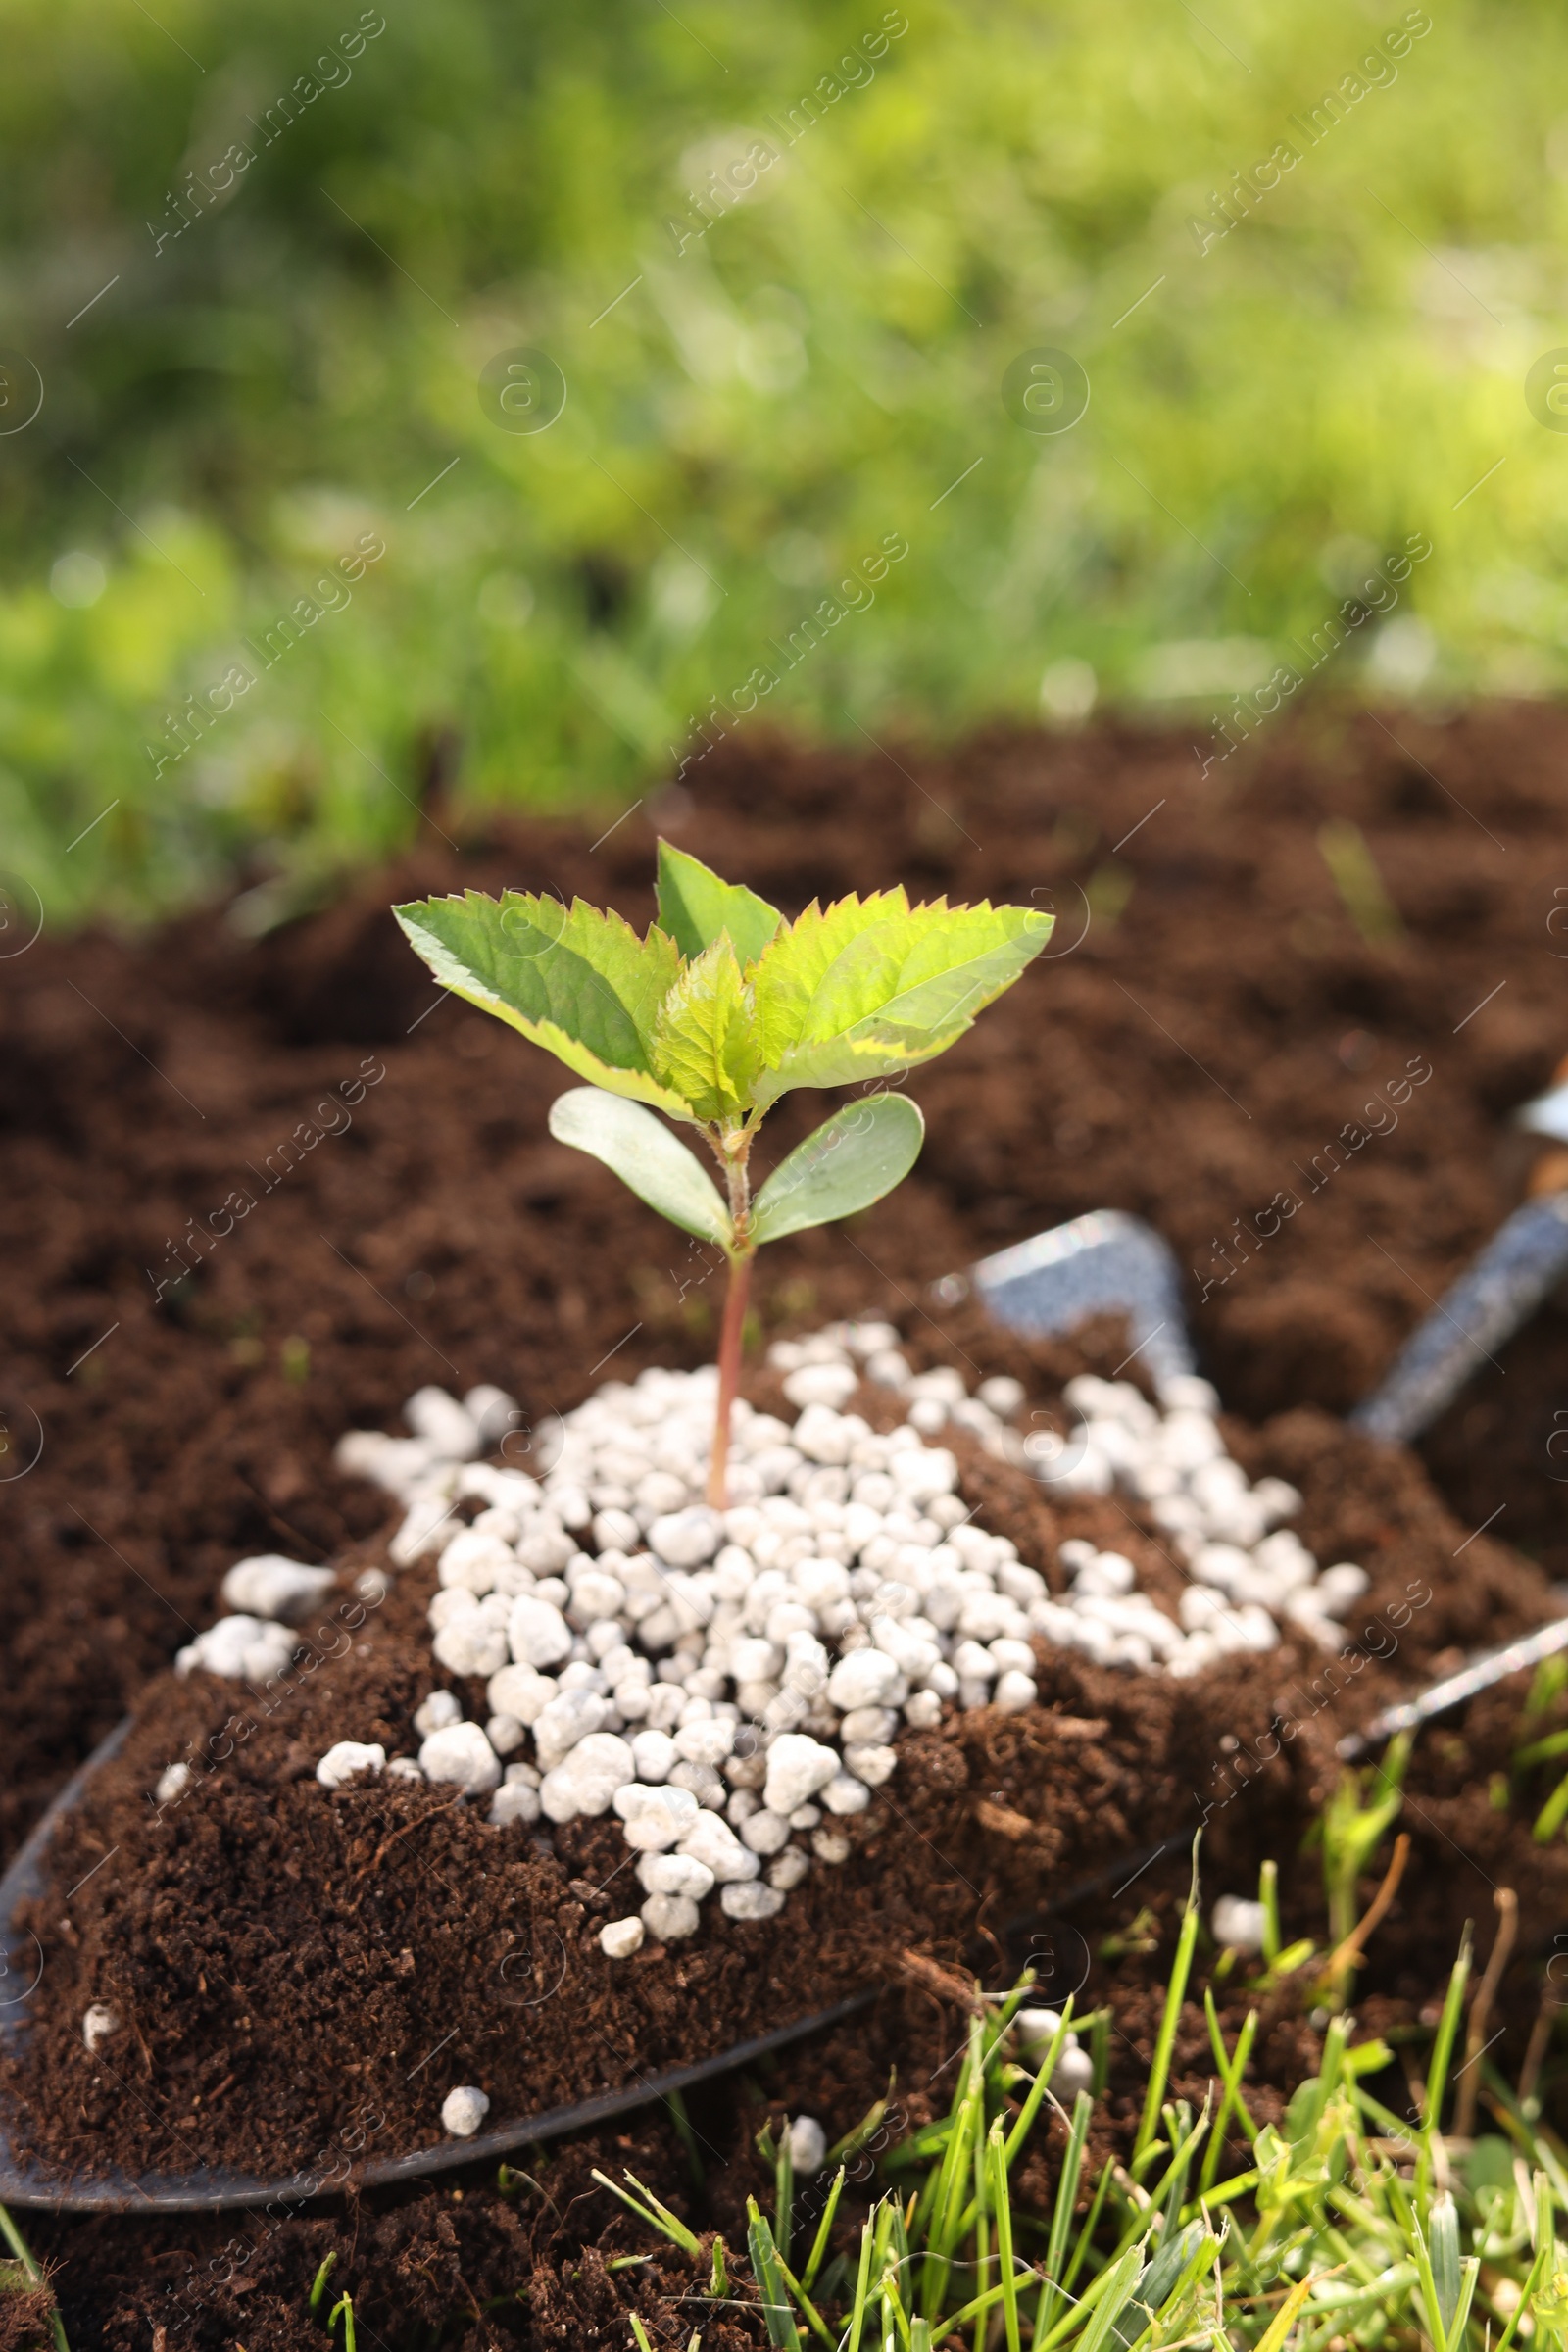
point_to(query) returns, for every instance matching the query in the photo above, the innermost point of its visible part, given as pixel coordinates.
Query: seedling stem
(733, 1149)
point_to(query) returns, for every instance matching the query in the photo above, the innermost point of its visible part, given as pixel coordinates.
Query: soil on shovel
(1313, 1116)
(280, 1959)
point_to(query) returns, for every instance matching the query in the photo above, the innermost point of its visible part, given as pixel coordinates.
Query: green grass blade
(1170, 2279)
(1184, 2138)
(981, 2221)
(994, 2033)
(783, 2195)
(971, 2313)
(1269, 1895)
(1240, 2184)
(1432, 2303)
(1541, 1751)
(864, 2130)
(1469, 2277)
(1231, 2072)
(1106, 2299)
(1171, 2184)
(1039, 2091)
(1041, 2086)
(950, 2200)
(1550, 1820)
(783, 2331)
(1050, 2290)
(897, 2322)
(1533, 2143)
(937, 2188)
(1086, 2235)
(824, 2229)
(1442, 2243)
(862, 2280)
(1380, 2297)
(1100, 2051)
(1002, 2207)
(657, 2216)
(1175, 1994)
(1179, 2251)
(813, 2317)
(1441, 2055)
(1524, 2307)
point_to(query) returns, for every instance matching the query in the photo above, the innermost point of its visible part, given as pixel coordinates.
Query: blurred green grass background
(756, 401)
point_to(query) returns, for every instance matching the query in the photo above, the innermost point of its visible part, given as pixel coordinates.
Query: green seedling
(722, 1009)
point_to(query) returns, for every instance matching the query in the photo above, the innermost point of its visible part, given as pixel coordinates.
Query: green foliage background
(764, 405)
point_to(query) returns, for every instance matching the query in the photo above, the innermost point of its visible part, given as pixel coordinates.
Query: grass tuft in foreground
(1346, 2225)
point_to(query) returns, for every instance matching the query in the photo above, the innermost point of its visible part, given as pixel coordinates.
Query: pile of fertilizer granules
(732, 1685)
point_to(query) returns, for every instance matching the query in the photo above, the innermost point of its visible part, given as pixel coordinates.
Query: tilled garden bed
(411, 1224)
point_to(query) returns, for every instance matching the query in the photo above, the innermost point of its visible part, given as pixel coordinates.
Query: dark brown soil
(1191, 1060)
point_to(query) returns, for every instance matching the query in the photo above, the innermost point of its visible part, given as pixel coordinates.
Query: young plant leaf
(855, 1157)
(870, 987)
(695, 905)
(704, 1044)
(579, 982)
(655, 1165)
(798, 959)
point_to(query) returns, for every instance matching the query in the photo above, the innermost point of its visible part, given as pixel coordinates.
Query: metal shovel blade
(1498, 1291)
(1106, 1262)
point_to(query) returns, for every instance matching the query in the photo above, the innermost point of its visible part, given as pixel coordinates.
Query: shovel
(1497, 1291)
(1103, 1262)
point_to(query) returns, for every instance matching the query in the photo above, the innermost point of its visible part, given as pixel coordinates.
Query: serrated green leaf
(576, 981)
(855, 1157)
(704, 1043)
(876, 986)
(655, 1165)
(695, 905)
(799, 959)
